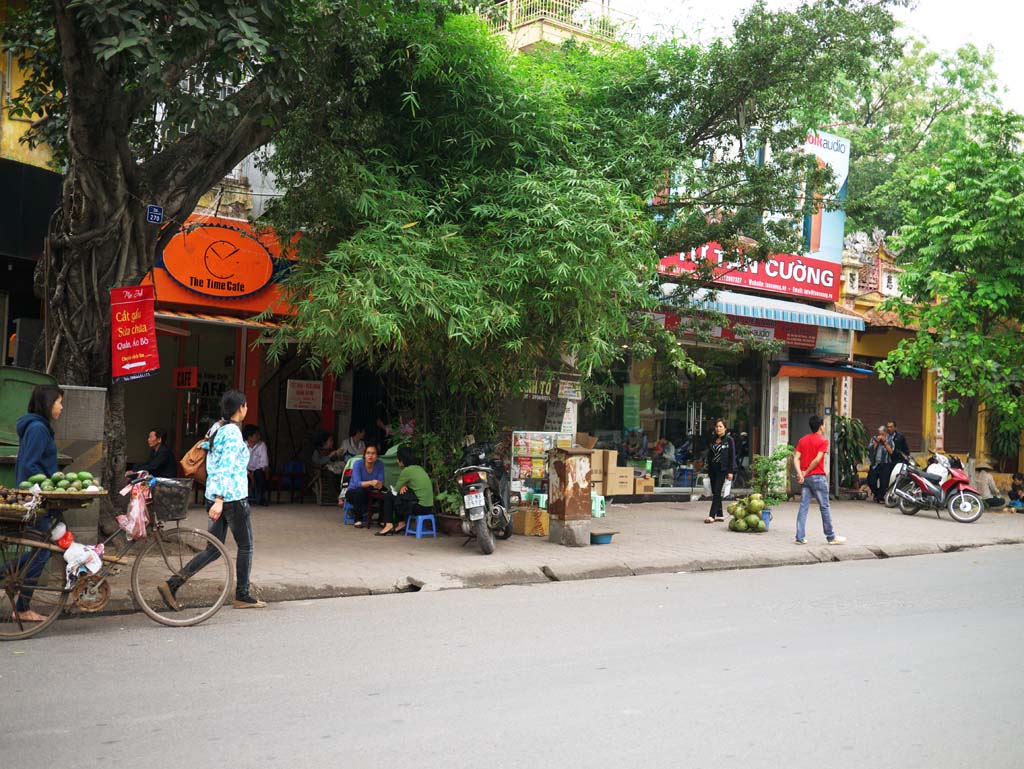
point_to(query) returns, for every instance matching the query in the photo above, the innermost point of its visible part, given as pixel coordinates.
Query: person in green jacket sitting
(415, 494)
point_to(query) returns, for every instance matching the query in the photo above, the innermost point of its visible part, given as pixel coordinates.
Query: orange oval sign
(217, 260)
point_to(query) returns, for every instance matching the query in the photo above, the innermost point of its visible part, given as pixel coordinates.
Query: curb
(545, 574)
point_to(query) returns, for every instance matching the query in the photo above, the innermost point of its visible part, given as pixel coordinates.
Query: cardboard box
(618, 480)
(585, 441)
(601, 460)
(643, 486)
(530, 522)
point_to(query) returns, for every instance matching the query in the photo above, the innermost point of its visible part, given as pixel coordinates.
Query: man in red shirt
(809, 460)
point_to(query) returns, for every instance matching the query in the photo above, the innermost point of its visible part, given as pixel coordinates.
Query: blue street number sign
(154, 214)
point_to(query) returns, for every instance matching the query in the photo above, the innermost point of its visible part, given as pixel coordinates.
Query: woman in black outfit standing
(720, 462)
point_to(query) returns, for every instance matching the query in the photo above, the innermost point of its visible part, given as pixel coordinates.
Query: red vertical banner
(133, 348)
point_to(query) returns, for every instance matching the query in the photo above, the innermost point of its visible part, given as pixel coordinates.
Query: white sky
(947, 24)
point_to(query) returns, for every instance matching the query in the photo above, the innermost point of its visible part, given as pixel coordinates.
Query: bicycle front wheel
(31, 585)
(165, 556)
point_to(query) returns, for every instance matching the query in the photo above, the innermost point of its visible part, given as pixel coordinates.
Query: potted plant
(851, 440)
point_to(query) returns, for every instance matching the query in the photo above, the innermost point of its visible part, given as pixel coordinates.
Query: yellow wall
(878, 344)
(12, 129)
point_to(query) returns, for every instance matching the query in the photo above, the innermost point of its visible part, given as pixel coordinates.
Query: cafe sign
(133, 347)
(218, 260)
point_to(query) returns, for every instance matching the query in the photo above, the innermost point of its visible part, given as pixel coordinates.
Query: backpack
(193, 464)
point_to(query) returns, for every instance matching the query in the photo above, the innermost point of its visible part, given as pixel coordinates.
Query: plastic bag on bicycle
(134, 522)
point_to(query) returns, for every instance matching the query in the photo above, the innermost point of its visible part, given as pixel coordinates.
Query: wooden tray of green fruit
(65, 489)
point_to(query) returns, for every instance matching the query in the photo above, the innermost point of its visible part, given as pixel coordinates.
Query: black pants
(364, 500)
(258, 488)
(397, 509)
(995, 502)
(878, 479)
(238, 517)
(717, 481)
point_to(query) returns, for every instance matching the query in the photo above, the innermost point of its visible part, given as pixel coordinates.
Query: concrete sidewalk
(303, 551)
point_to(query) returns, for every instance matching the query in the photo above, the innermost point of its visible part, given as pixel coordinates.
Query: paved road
(907, 662)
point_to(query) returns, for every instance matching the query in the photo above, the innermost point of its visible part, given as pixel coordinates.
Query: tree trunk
(91, 248)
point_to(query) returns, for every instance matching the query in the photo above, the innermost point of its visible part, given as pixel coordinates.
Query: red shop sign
(790, 334)
(132, 333)
(186, 377)
(786, 274)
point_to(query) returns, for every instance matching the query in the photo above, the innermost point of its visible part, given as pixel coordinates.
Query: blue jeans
(235, 516)
(816, 486)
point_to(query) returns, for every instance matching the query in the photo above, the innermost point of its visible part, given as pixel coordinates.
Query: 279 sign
(186, 377)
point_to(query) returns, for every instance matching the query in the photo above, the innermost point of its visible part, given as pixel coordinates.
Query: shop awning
(748, 306)
(805, 369)
(214, 320)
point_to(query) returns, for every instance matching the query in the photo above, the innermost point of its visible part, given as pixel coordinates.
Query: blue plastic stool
(420, 531)
(349, 518)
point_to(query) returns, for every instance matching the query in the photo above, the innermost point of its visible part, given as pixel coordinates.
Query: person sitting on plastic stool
(415, 494)
(367, 480)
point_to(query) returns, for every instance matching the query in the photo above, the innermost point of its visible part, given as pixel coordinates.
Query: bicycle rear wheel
(36, 577)
(165, 556)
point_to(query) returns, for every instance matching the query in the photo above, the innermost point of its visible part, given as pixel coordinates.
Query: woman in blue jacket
(37, 454)
(367, 477)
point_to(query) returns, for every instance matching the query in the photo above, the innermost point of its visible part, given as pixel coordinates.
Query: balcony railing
(588, 17)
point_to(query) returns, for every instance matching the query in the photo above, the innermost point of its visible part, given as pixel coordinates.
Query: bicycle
(161, 554)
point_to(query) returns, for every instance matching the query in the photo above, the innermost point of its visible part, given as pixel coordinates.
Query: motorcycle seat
(929, 476)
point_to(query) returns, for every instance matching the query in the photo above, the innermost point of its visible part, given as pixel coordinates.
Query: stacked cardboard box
(600, 461)
(618, 480)
(643, 486)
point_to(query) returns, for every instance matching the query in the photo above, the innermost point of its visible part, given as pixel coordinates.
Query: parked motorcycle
(943, 485)
(899, 479)
(483, 483)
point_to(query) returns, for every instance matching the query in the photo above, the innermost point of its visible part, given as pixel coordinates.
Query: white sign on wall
(304, 395)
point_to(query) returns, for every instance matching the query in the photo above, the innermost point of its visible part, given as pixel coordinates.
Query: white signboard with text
(304, 395)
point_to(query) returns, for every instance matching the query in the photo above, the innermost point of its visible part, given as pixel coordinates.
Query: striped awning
(214, 320)
(748, 306)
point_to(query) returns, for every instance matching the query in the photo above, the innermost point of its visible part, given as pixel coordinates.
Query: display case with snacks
(530, 460)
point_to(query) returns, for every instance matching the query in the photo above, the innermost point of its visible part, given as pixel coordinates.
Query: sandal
(358, 525)
(709, 519)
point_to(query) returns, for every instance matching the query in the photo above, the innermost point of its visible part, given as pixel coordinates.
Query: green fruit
(755, 505)
(741, 524)
(732, 508)
(62, 484)
(762, 526)
(25, 485)
(76, 485)
(752, 521)
(757, 497)
(47, 486)
(84, 476)
(38, 478)
(732, 524)
(57, 476)
(71, 476)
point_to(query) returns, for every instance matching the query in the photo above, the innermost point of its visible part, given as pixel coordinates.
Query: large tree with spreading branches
(153, 103)
(507, 216)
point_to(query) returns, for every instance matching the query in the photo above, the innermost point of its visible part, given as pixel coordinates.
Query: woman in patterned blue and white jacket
(227, 502)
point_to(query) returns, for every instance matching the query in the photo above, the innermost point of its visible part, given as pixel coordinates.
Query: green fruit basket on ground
(746, 515)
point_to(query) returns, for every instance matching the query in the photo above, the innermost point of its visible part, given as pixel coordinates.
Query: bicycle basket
(170, 498)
